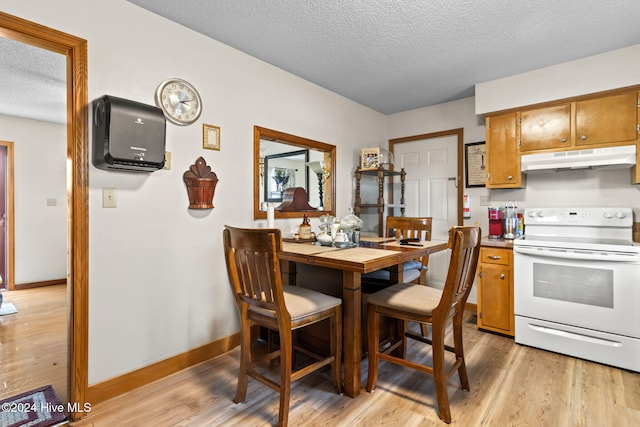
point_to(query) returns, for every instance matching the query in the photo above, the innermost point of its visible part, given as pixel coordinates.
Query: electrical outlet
(485, 201)
(109, 198)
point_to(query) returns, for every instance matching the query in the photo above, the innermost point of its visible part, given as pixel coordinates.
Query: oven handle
(569, 254)
(573, 335)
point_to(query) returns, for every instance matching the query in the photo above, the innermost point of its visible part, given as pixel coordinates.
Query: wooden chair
(414, 271)
(254, 273)
(411, 302)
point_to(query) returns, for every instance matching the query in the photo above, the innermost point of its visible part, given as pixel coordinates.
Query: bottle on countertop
(520, 225)
(305, 228)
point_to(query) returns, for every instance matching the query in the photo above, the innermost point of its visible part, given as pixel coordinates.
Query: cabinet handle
(510, 177)
(502, 275)
(496, 257)
(563, 140)
(583, 137)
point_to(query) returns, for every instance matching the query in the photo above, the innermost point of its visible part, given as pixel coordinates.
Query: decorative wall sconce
(319, 168)
(201, 185)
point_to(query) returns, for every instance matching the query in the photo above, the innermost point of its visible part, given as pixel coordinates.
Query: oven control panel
(607, 217)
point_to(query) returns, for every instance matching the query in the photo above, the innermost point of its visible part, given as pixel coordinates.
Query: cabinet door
(612, 119)
(503, 160)
(545, 128)
(495, 298)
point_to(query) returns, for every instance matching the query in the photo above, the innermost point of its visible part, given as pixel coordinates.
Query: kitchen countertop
(496, 243)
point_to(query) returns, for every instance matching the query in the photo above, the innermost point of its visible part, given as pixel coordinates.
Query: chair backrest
(254, 270)
(464, 243)
(409, 227)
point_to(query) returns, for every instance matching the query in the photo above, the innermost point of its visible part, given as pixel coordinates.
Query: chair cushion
(408, 297)
(302, 302)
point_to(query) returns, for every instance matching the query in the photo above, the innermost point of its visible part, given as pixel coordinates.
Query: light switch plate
(109, 198)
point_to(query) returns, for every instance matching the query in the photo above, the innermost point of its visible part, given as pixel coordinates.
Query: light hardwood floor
(511, 385)
(33, 341)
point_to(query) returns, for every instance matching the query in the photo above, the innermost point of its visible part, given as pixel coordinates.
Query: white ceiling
(390, 55)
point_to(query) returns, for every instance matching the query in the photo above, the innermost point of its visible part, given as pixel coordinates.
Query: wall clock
(179, 100)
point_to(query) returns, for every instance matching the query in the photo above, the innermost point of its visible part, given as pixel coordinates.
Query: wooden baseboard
(129, 381)
(471, 307)
(39, 284)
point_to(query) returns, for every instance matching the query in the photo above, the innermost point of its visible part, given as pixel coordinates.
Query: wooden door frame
(75, 50)
(9, 278)
(460, 133)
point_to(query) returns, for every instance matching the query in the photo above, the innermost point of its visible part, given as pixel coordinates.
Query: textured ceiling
(397, 55)
(390, 55)
(32, 82)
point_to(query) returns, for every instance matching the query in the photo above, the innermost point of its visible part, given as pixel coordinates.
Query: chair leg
(373, 326)
(424, 329)
(245, 361)
(286, 351)
(459, 351)
(335, 323)
(440, 373)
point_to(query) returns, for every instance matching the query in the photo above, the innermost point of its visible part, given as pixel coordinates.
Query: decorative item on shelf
(386, 158)
(319, 168)
(370, 158)
(201, 185)
(210, 137)
(295, 199)
(374, 158)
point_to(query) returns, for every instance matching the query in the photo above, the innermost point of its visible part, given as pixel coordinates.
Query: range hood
(595, 158)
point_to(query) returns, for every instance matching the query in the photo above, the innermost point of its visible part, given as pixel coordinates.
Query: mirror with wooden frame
(284, 161)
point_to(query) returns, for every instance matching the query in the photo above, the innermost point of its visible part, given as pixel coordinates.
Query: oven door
(587, 289)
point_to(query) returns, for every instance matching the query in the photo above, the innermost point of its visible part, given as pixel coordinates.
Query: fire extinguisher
(466, 209)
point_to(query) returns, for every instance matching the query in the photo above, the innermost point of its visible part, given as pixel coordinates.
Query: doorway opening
(77, 198)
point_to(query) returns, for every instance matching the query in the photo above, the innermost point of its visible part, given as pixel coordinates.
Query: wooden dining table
(353, 262)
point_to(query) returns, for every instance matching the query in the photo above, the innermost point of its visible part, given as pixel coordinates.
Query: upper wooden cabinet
(591, 121)
(545, 128)
(607, 120)
(503, 158)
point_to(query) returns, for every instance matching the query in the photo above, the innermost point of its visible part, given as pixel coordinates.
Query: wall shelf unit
(381, 208)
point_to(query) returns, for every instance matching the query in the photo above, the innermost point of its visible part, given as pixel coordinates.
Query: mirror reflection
(284, 162)
(283, 170)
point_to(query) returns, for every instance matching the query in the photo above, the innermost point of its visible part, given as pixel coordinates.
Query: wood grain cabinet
(607, 120)
(597, 120)
(495, 290)
(503, 157)
(545, 128)
(603, 121)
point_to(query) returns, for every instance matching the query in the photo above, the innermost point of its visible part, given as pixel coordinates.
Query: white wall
(40, 153)
(158, 284)
(609, 70)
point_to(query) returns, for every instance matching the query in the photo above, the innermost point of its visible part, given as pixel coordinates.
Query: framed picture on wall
(210, 137)
(475, 157)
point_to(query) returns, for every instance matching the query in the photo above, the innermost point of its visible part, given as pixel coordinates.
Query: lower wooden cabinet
(495, 290)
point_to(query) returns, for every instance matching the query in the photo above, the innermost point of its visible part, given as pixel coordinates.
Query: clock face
(179, 101)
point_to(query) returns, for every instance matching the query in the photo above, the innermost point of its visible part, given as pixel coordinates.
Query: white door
(431, 190)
